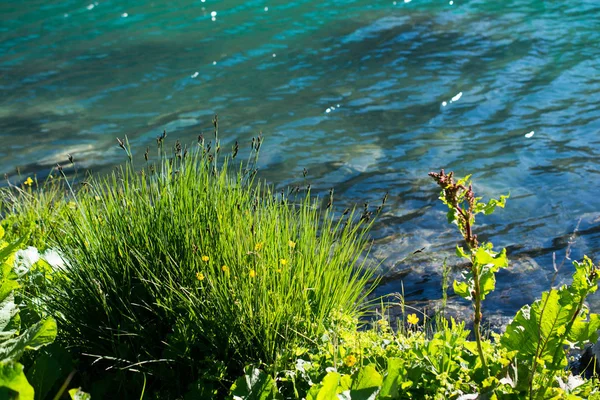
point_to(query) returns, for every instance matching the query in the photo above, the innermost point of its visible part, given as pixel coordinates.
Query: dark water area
(367, 96)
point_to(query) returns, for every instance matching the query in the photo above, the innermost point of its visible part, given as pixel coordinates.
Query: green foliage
(253, 385)
(485, 261)
(78, 394)
(480, 278)
(540, 333)
(13, 383)
(220, 267)
(15, 338)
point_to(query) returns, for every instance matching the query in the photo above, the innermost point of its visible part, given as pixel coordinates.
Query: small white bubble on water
(195, 74)
(214, 63)
(407, 1)
(530, 134)
(394, 3)
(124, 15)
(213, 19)
(457, 97)
(338, 106)
(444, 104)
(451, 2)
(266, 8)
(328, 110)
(213, 14)
(90, 7)
(204, 1)
(274, 55)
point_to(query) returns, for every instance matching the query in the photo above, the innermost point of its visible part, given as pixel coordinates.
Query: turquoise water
(368, 96)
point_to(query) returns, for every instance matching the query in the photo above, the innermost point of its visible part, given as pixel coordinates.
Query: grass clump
(184, 271)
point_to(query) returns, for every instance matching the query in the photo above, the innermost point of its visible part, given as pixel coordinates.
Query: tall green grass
(186, 267)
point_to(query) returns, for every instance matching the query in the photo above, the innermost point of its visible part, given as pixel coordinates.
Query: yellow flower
(412, 319)
(28, 181)
(205, 258)
(292, 244)
(350, 360)
(252, 273)
(200, 276)
(225, 268)
(97, 198)
(259, 246)
(283, 261)
(72, 205)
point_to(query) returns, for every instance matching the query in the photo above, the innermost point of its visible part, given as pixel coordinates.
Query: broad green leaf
(366, 383)
(36, 336)
(485, 256)
(584, 331)
(389, 388)
(493, 203)
(51, 365)
(462, 289)
(13, 383)
(460, 252)
(78, 394)
(254, 385)
(327, 390)
(9, 318)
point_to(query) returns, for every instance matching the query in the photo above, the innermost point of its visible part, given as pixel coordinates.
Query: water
(368, 96)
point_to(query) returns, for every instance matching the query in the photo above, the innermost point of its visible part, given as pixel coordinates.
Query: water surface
(368, 96)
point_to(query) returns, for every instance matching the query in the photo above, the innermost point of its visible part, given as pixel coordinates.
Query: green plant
(184, 264)
(541, 334)
(479, 278)
(16, 336)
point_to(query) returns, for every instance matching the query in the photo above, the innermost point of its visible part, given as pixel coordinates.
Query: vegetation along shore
(181, 275)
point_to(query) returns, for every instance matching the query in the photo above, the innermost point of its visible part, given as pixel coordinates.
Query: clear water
(369, 96)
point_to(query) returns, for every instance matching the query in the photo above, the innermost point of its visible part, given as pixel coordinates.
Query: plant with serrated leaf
(479, 279)
(542, 333)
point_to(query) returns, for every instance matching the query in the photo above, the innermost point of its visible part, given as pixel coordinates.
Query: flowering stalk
(462, 208)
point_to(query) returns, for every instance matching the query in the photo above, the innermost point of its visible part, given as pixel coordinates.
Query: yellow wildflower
(200, 276)
(283, 261)
(412, 319)
(97, 198)
(205, 258)
(225, 268)
(252, 273)
(350, 360)
(259, 246)
(292, 244)
(28, 181)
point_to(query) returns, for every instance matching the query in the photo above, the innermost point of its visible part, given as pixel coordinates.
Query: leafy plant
(479, 278)
(541, 334)
(221, 268)
(15, 339)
